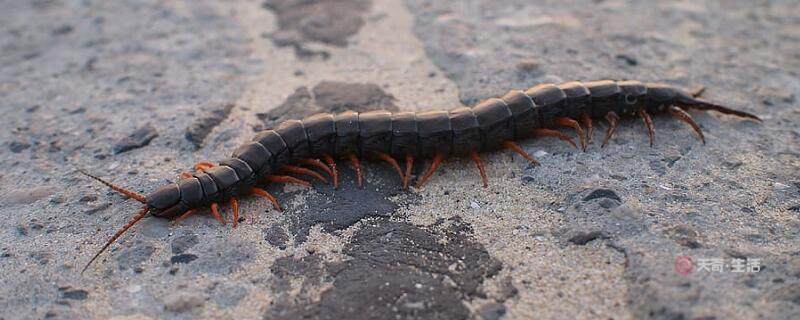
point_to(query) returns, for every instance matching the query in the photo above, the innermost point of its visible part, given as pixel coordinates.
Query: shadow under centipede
(338, 209)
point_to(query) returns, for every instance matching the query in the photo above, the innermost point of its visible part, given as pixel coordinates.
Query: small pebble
(474, 205)
(540, 154)
(780, 186)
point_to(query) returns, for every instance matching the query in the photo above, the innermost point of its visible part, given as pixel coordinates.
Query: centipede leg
(287, 179)
(215, 213)
(698, 91)
(318, 164)
(183, 216)
(308, 172)
(613, 122)
(357, 165)
(516, 148)
(479, 163)
(554, 133)
(409, 165)
(392, 162)
(266, 195)
(334, 172)
(185, 175)
(685, 117)
(587, 121)
(235, 209)
(569, 122)
(437, 160)
(202, 165)
(648, 122)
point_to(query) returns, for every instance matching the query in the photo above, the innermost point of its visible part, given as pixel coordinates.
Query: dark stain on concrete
(73, 294)
(393, 270)
(184, 242)
(139, 138)
(182, 258)
(197, 132)
(134, 256)
(276, 236)
(583, 238)
(330, 22)
(329, 96)
(602, 193)
(339, 209)
(335, 96)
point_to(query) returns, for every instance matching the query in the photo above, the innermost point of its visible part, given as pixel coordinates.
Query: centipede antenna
(138, 216)
(128, 193)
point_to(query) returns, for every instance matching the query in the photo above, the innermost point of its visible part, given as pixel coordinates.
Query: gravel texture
(138, 91)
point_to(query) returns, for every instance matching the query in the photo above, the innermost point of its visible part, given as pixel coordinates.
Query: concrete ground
(138, 91)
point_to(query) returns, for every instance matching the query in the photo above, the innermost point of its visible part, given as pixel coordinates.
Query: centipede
(301, 151)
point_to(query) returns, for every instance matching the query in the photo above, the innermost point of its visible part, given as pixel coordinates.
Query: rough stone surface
(326, 21)
(588, 235)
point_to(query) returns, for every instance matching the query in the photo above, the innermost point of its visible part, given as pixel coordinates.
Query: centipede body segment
(297, 147)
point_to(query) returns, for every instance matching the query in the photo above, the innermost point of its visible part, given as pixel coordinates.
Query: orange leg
(308, 172)
(185, 175)
(648, 122)
(183, 216)
(263, 193)
(587, 121)
(513, 146)
(568, 122)
(287, 179)
(318, 164)
(685, 117)
(202, 165)
(409, 165)
(235, 208)
(553, 133)
(334, 173)
(613, 122)
(357, 166)
(698, 92)
(479, 163)
(215, 213)
(437, 160)
(393, 163)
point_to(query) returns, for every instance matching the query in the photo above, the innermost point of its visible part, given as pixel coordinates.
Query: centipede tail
(705, 105)
(296, 148)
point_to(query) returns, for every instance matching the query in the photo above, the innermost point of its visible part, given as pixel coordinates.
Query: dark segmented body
(457, 132)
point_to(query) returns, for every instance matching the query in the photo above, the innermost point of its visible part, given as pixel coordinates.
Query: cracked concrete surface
(137, 91)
